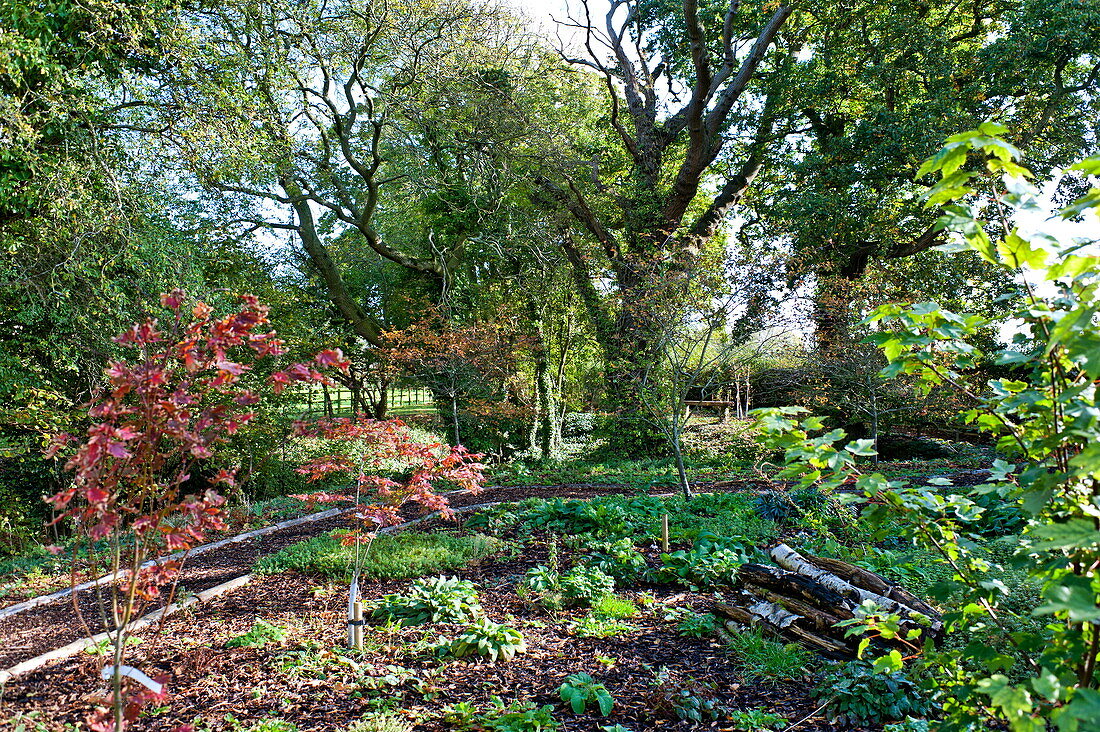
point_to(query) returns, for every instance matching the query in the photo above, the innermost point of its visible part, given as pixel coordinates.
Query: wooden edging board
(77, 646)
(60, 594)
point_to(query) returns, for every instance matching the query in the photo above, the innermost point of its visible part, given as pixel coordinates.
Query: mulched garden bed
(30, 633)
(211, 681)
(303, 681)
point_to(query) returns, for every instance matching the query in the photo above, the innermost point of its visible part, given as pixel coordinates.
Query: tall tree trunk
(454, 417)
(549, 428)
(382, 404)
(677, 448)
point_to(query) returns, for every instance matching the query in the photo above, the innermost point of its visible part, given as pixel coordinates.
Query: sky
(544, 13)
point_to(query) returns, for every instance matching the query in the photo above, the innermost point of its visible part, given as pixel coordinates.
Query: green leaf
(1073, 534)
(1081, 714)
(995, 129)
(1075, 596)
(605, 701)
(1090, 166)
(1014, 701)
(1018, 252)
(863, 448)
(889, 663)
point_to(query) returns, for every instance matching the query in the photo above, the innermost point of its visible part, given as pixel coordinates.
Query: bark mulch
(33, 632)
(312, 681)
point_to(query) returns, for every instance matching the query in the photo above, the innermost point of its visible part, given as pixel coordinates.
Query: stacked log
(804, 597)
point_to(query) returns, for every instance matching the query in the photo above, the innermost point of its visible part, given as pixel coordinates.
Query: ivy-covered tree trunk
(655, 215)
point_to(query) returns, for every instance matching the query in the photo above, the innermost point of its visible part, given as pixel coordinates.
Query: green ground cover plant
(756, 720)
(857, 693)
(259, 635)
(697, 625)
(390, 556)
(605, 618)
(604, 521)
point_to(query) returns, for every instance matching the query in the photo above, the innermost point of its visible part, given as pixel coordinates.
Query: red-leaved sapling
(185, 389)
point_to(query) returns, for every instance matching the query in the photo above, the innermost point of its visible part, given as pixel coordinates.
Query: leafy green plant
(460, 715)
(775, 506)
(694, 707)
(518, 717)
(762, 658)
(541, 579)
(689, 700)
(494, 520)
(435, 600)
(857, 693)
(620, 560)
(584, 585)
(755, 720)
(483, 637)
(580, 689)
(712, 561)
(698, 625)
(594, 625)
(261, 633)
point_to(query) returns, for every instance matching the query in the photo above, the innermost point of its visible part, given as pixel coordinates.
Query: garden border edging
(58, 654)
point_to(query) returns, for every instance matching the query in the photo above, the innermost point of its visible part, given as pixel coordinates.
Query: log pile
(804, 597)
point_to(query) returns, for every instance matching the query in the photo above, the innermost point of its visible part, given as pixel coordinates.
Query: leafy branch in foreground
(1046, 420)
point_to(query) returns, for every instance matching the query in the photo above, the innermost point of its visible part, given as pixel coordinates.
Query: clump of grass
(604, 621)
(767, 660)
(390, 556)
(614, 607)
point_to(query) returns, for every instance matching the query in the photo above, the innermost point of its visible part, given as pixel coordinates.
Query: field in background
(336, 401)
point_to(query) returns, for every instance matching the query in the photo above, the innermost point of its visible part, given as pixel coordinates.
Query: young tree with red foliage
(164, 411)
(382, 444)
